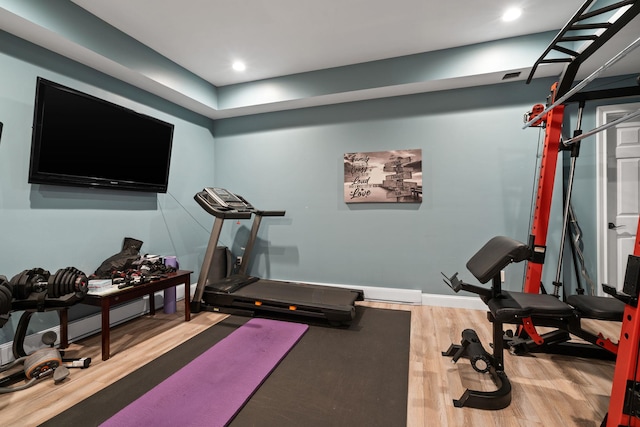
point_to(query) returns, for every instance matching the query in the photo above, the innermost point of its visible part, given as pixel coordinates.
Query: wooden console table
(106, 301)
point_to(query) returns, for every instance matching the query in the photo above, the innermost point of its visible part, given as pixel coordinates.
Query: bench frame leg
(471, 348)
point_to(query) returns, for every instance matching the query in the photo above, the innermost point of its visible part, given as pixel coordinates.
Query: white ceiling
(282, 37)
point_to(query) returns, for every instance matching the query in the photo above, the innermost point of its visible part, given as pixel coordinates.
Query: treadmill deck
(333, 303)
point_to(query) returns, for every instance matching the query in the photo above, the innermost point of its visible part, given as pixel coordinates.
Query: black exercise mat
(333, 377)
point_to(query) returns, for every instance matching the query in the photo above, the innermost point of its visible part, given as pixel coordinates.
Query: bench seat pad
(595, 307)
(509, 306)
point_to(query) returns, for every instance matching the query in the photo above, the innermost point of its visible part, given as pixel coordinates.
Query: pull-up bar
(624, 52)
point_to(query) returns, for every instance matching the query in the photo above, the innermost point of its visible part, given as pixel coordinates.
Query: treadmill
(240, 293)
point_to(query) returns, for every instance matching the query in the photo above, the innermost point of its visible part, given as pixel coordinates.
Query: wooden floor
(548, 390)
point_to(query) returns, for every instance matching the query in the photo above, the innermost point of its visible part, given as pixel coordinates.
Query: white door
(617, 192)
(625, 223)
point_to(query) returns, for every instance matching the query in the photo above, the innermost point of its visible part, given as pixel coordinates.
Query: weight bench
(524, 309)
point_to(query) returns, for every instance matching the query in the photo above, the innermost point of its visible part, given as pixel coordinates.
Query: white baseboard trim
(453, 301)
(374, 293)
(414, 296)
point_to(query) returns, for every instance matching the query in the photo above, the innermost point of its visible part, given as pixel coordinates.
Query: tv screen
(81, 140)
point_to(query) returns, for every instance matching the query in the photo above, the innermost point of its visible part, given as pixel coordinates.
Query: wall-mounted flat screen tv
(81, 140)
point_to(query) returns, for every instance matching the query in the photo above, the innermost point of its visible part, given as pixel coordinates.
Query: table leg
(187, 302)
(64, 327)
(152, 304)
(105, 329)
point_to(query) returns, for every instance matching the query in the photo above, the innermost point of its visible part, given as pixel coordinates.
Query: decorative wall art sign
(383, 176)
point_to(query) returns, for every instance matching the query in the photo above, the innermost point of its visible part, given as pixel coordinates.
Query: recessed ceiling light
(512, 14)
(239, 66)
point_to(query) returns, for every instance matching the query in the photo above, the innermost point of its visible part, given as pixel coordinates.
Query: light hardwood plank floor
(548, 390)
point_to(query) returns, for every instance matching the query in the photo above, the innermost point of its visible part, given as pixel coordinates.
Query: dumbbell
(28, 281)
(66, 281)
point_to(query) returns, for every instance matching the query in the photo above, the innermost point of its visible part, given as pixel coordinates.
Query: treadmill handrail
(270, 213)
(219, 212)
(257, 211)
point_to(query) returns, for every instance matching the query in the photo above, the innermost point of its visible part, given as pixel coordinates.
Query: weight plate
(57, 288)
(5, 300)
(62, 284)
(52, 284)
(5, 282)
(72, 276)
(16, 279)
(53, 279)
(24, 277)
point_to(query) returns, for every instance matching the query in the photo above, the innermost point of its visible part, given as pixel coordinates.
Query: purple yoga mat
(211, 389)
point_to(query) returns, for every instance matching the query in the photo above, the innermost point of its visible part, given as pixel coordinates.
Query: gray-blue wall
(478, 172)
(54, 227)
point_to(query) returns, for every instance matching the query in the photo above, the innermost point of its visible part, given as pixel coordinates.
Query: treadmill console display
(224, 198)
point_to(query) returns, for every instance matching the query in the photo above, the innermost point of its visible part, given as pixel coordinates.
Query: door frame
(604, 115)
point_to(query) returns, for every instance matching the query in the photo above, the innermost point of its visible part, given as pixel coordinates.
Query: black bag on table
(121, 261)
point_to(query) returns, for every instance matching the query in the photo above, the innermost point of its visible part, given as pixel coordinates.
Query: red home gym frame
(553, 115)
(624, 406)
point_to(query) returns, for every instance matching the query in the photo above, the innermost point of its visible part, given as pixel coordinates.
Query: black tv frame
(84, 141)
